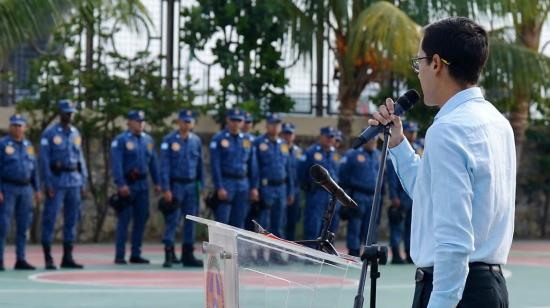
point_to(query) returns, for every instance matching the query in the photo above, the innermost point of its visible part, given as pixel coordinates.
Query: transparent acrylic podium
(244, 269)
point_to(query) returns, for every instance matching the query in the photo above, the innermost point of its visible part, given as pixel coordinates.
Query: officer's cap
(273, 118)
(339, 136)
(18, 119)
(288, 128)
(136, 115)
(235, 114)
(186, 115)
(410, 126)
(65, 106)
(248, 118)
(328, 131)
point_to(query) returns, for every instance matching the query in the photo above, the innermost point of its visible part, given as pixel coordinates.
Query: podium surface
(244, 269)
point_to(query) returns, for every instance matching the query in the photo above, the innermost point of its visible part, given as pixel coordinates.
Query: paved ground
(103, 284)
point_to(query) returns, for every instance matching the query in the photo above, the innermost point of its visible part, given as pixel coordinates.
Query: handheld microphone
(321, 176)
(403, 104)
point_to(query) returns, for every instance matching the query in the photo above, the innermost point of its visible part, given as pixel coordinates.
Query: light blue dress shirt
(463, 190)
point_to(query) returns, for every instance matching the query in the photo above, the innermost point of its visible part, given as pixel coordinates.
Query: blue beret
(186, 115)
(272, 118)
(339, 136)
(410, 126)
(288, 128)
(328, 131)
(66, 106)
(248, 118)
(18, 119)
(136, 115)
(235, 114)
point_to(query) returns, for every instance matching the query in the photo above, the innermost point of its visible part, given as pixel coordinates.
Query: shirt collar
(458, 99)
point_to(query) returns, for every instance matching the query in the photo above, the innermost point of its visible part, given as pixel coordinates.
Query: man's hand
(51, 192)
(124, 191)
(83, 192)
(254, 195)
(158, 190)
(222, 194)
(395, 202)
(290, 200)
(38, 197)
(167, 196)
(1, 197)
(384, 116)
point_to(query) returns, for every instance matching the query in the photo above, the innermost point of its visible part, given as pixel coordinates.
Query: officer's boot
(187, 257)
(354, 252)
(68, 261)
(23, 265)
(168, 255)
(396, 257)
(48, 257)
(175, 259)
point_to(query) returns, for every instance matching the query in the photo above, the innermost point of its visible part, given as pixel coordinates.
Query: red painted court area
(174, 279)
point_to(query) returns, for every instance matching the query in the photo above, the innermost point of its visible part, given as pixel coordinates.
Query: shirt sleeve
(200, 171)
(116, 162)
(165, 165)
(215, 164)
(405, 162)
(451, 189)
(83, 167)
(44, 161)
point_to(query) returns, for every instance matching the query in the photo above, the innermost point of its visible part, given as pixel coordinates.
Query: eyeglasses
(415, 63)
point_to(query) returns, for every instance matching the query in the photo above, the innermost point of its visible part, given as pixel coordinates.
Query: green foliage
(246, 37)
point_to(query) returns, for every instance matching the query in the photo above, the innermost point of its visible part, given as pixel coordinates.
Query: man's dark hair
(460, 41)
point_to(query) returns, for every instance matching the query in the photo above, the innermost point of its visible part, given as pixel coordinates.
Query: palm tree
(372, 41)
(517, 72)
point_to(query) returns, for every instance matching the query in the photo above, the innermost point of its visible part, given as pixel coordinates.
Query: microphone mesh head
(408, 99)
(318, 173)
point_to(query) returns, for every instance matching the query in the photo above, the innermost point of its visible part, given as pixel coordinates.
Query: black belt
(182, 180)
(426, 273)
(274, 182)
(233, 175)
(16, 182)
(134, 177)
(58, 169)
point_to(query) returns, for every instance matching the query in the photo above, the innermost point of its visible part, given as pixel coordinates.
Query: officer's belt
(17, 182)
(367, 191)
(134, 177)
(60, 168)
(426, 273)
(275, 182)
(179, 180)
(233, 175)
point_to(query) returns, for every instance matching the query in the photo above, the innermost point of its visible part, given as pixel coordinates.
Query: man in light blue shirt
(463, 187)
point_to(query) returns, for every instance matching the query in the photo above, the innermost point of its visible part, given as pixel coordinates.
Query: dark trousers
(484, 288)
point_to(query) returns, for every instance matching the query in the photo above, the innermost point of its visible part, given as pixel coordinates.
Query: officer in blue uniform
(248, 124)
(181, 176)
(18, 179)
(276, 184)
(234, 171)
(357, 174)
(64, 173)
(133, 156)
(293, 210)
(317, 199)
(400, 212)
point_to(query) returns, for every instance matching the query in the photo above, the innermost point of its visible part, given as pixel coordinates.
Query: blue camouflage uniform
(63, 170)
(357, 174)
(401, 230)
(181, 171)
(294, 210)
(132, 158)
(275, 183)
(18, 178)
(317, 198)
(234, 168)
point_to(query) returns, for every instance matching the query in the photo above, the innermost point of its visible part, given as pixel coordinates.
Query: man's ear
(437, 64)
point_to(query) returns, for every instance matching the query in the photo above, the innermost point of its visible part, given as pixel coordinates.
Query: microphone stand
(374, 254)
(325, 240)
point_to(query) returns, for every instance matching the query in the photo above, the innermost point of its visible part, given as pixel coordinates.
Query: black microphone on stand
(403, 104)
(321, 176)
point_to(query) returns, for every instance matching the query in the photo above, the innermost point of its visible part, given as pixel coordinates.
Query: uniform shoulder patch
(213, 145)
(44, 141)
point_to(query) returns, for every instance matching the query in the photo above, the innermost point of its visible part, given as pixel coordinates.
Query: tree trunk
(348, 104)
(519, 119)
